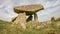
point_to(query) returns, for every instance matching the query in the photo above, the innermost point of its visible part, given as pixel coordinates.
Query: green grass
(32, 28)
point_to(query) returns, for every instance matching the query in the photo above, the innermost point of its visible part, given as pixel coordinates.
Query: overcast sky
(51, 8)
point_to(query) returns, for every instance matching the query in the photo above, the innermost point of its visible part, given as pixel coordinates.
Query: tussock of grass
(32, 28)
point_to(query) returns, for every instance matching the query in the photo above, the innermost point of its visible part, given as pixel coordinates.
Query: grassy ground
(52, 27)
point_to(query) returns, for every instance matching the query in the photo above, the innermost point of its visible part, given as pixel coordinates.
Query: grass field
(52, 27)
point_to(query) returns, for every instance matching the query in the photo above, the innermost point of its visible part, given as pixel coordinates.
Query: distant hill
(1, 21)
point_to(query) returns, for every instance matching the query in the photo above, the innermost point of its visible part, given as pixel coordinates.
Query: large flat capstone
(28, 9)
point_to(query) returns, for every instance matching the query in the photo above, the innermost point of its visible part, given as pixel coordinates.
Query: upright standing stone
(29, 18)
(35, 17)
(21, 19)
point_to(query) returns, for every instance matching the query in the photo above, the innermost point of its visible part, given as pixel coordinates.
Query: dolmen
(27, 10)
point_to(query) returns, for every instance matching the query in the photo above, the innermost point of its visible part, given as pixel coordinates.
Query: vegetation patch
(31, 28)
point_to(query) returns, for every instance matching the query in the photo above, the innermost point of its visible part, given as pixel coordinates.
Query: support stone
(21, 19)
(29, 18)
(35, 17)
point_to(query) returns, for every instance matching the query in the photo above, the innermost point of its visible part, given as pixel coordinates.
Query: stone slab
(28, 8)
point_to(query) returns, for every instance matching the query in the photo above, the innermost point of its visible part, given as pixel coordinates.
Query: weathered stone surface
(35, 17)
(30, 18)
(21, 19)
(29, 9)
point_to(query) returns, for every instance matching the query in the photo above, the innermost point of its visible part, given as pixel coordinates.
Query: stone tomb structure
(27, 10)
